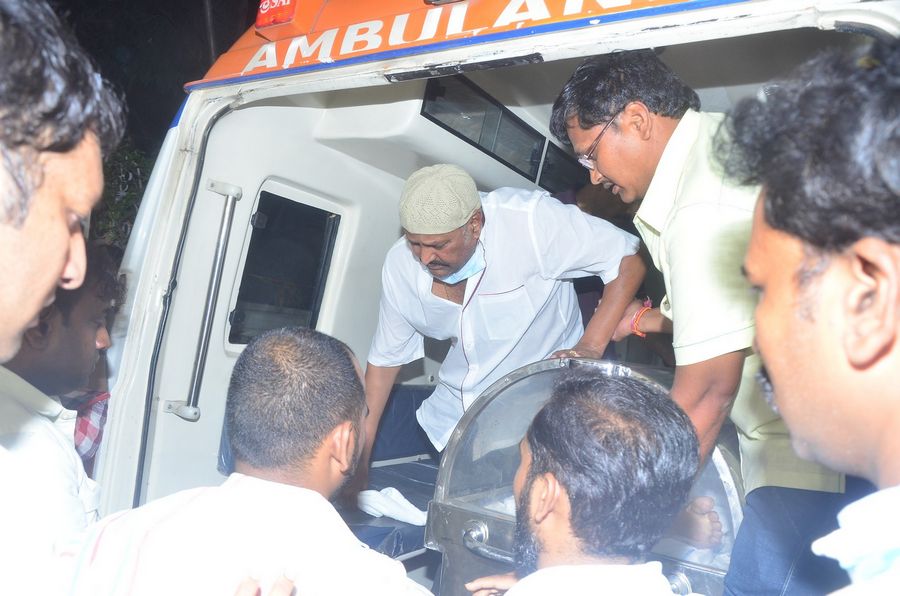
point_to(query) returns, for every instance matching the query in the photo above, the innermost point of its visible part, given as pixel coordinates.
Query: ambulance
(273, 200)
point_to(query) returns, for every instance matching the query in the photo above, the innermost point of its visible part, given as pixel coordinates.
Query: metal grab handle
(189, 410)
(474, 538)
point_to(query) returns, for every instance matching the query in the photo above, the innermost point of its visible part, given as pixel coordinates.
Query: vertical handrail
(189, 410)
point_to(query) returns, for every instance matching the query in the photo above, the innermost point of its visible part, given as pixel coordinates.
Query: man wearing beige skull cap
(490, 272)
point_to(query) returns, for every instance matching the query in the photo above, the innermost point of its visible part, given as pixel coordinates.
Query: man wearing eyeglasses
(636, 126)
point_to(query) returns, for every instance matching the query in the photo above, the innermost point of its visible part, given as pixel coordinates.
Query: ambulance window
(561, 171)
(460, 107)
(287, 263)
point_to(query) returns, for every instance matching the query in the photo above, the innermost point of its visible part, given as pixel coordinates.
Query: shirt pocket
(505, 315)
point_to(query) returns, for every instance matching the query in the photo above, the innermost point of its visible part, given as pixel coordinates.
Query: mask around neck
(473, 266)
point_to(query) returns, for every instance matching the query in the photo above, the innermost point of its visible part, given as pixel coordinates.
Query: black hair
(624, 452)
(601, 86)
(51, 95)
(101, 276)
(824, 143)
(290, 387)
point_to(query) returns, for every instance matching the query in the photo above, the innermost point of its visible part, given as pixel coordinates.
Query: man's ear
(341, 446)
(545, 496)
(872, 305)
(636, 118)
(38, 336)
(477, 222)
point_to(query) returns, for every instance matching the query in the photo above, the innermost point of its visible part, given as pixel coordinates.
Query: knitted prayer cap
(438, 199)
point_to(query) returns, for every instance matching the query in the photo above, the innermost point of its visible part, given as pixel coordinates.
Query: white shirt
(46, 499)
(518, 310)
(867, 543)
(208, 540)
(645, 579)
(696, 225)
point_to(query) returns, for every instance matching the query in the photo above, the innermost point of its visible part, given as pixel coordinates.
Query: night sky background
(150, 48)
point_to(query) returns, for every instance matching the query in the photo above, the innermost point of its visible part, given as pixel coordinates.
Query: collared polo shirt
(696, 225)
(519, 309)
(47, 498)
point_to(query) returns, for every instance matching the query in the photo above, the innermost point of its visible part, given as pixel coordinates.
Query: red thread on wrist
(636, 319)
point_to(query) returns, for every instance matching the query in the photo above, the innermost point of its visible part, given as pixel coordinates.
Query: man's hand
(250, 587)
(577, 351)
(492, 585)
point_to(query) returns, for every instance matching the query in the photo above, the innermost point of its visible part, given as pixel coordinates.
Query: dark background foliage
(149, 49)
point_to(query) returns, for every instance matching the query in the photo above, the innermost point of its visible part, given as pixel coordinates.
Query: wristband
(636, 319)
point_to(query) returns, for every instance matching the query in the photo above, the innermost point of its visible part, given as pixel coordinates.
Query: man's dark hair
(101, 276)
(626, 455)
(51, 95)
(825, 145)
(602, 85)
(289, 389)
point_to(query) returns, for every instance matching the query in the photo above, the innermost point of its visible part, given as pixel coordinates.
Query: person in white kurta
(207, 540)
(604, 467)
(294, 413)
(517, 308)
(645, 579)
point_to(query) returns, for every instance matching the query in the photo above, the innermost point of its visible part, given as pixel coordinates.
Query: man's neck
(300, 478)
(577, 557)
(21, 366)
(452, 292)
(887, 472)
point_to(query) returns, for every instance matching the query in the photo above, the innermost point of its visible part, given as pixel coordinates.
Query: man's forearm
(617, 295)
(706, 391)
(379, 383)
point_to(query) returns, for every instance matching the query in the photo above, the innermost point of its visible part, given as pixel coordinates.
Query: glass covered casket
(472, 517)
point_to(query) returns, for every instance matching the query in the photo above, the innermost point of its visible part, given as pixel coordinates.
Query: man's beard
(768, 390)
(354, 464)
(526, 545)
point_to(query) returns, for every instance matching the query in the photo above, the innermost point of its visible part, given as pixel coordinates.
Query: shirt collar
(14, 387)
(660, 196)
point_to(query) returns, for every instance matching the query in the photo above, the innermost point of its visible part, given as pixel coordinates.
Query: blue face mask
(473, 266)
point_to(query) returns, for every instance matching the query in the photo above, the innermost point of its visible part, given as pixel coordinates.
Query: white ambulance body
(274, 197)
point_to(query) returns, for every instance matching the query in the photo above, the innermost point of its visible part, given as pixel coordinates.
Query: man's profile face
(47, 250)
(445, 254)
(76, 342)
(797, 336)
(526, 545)
(617, 159)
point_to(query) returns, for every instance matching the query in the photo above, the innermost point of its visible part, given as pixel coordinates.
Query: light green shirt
(696, 225)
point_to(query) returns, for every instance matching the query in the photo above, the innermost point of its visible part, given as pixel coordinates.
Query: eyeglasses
(587, 159)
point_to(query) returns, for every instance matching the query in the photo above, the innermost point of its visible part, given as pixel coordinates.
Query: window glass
(561, 171)
(462, 108)
(287, 264)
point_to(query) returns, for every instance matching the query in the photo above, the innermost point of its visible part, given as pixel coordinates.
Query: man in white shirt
(605, 466)
(824, 258)
(636, 127)
(57, 356)
(56, 113)
(295, 413)
(489, 272)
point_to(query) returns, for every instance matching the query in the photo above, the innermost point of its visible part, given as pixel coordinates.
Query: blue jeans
(771, 553)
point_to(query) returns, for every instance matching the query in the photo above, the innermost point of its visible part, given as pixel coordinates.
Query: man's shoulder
(34, 442)
(703, 180)
(508, 198)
